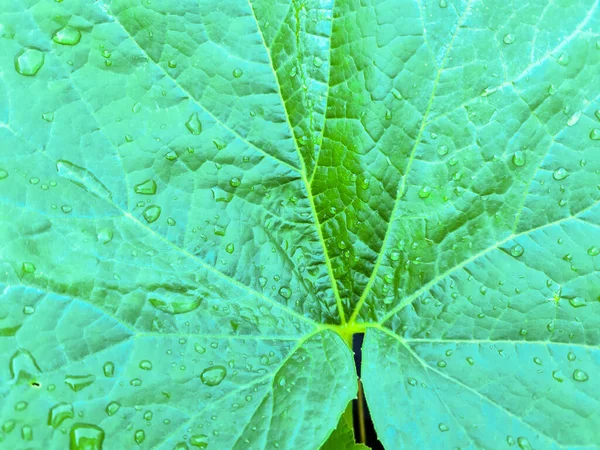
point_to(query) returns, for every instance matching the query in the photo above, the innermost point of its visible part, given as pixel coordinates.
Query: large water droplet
(176, 304)
(59, 413)
(84, 436)
(29, 61)
(193, 124)
(67, 36)
(151, 213)
(79, 382)
(23, 366)
(580, 375)
(560, 174)
(518, 159)
(213, 376)
(139, 436)
(517, 250)
(82, 178)
(148, 187)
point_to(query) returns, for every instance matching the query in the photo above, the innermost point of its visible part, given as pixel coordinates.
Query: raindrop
(152, 213)
(537, 361)
(560, 174)
(518, 159)
(571, 356)
(577, 302)
(580, 375)
(193, 124)
(509, 39)
(29, 61)
(148, 187)
(85, 436)
(67, 36)
(213, 376)
(517, 250)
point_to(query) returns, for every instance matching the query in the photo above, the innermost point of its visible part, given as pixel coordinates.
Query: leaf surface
(203, 201)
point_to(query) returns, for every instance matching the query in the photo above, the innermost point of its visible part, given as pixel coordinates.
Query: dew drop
(48, 117)
(595, 134)
(577, 302)
(424, 192)
(443, 4)
(26, 433)
(593, 251)
(152, 213)
(235, 182)
(443, 427)
(523, 443)
(145, 365)
(537, 361)
(148, 187)
(560, 174)
(59, 413)
(79, 382)
(442, 150)
(109, 369)
(230, 248)
(285, 292)
(85, 436)
(558, 376)
(29, 61)
(112, 408)
(3, 174)
(105, 235)
(509, 39)
(28, 267)
(67, 36)
(193, 124)
(213, 376)
(571, 356)
(139, 436)
(517, 250)
(518, 159)
(199, 440)
(238, 72)
(580, 375)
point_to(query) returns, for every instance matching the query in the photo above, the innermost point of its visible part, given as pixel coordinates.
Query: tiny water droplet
(560, 174)
(595, 134)
(29, 61)
(67, 36)
(517, 250)
(235, 182)
(85, 436)
(238, 72)
(105, 235)
(48, 117)
(152, 213)
(193, 124)
(199, 440)
(518, 159)
(580, 375)
(145, 365)
(537, 361)
(171, 222)
(523, 443)
(558, 376)
(577, 302)
(285, 292)
(213, 376)
(424, 192)
(442, 150)
(443, 4)
(28, 267)
(443, 427)
(230, 248)
(509, 39)
(108, 369)
(571, 356)
(172, 64)
(147, 187)
(470, 360)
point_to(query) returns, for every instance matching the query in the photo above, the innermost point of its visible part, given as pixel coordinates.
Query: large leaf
(202, 200)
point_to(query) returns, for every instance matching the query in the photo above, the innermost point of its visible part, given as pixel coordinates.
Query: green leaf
(203, 201)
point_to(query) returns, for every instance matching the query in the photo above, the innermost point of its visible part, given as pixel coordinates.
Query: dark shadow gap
(364, 431)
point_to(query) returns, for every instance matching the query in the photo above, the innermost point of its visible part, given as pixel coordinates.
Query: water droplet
(112, 408)
(136, 382)
(396, 93)
(517, 250)
(523, 443)
(108, 369)
(79, 382)
(8, 426)
(171, 156)
(199, 349)
(21, 406)
(574, 119)
(424, 192)
(28, 267)
(558, 376)
(443, 427)
(470, 360)
(238, 72)
(145, 365)
(219, 143)
(199, 440)
(213, 376)
(48, 117)
(148, 187)
(171, 222)
(148, 415)
(139, 436)
(285, 292)
(67, 36)
(152, 213)
(571, 356)
(518, 159)
(394, 255)
(66, 209)
(595, 134)
(580, 375)
(82, 178)
(577, 302)
(104, 235)
(28, 310)
(509, 39)
(26, 433)
(84, 436)
(537, 361)
(172, 64)
(441, 363)
(29, 61)
(593, 251)
(442, 150)
(176, 305)
(235, 182)
(230, 248)
(443, 4)
(193, 124)
(560, 174)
